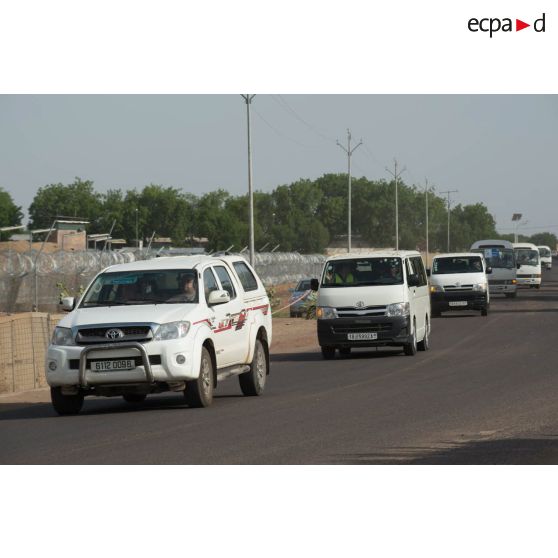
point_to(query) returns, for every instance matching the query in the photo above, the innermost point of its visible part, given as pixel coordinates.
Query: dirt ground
(290, 335)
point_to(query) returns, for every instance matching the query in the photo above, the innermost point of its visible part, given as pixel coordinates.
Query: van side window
(209, 282)
(419, 270)
(226, 281)
(246, 277)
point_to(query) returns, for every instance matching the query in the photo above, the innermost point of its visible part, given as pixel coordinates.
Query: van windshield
(526, 256)
(544, 252)
(363, 272)
(461, 264)
(497, 257)
(172, 286)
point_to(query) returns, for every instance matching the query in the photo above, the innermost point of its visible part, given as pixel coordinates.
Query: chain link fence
(33, 281)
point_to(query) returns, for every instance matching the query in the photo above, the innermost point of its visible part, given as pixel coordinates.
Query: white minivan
(459, 282)
(546, 257)
(373, 299)
(528, 265)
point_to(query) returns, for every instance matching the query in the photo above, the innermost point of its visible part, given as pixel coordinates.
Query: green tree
(10, 213)
(544, 239)
(77, 199)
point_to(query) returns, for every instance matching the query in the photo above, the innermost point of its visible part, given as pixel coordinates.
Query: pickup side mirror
(488, 270)
(218, 297)
(314, 284)
(413, 280)
(68, 303)
(428, 272)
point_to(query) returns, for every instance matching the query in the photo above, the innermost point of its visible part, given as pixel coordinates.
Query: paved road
(487, 392)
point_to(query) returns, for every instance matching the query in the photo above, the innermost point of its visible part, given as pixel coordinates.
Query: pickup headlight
(479, 287)
(398, 309)
(172, 330)
(62, 336)
(326, 313)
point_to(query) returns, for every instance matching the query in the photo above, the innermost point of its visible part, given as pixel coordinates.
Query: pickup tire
(66, 404)
(253, 382)
(199, 392)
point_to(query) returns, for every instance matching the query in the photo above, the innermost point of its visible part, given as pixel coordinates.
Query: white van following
(459, 282)
(500, 257)
(528, 265)
(168, 324)
(373, 299)
(546, 257)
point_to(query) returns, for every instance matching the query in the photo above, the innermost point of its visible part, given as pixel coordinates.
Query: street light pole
(349, 153)
(448, 192)
(248, 100)
(426, 202)
(137, 237)
(396, 176)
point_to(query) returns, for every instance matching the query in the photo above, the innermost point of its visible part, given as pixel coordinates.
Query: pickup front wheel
(253, 381)
(199, 392)
(65, 404)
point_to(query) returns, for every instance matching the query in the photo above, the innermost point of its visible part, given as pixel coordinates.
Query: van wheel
(328, 353)
(424, 345)
(537, 287)
(511, 295)
(435, 312)
(484, 312)
(346, 351)
(199, 392)
(66, 404)
(134, 397)
(410, 349)
(253, 381)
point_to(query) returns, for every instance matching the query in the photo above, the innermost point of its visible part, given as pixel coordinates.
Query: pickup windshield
(173, 286)
(363, 272)
(461, 264)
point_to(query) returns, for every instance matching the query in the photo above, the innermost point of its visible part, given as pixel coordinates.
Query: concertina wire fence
(24, 276)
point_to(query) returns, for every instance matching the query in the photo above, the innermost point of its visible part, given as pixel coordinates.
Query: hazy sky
(499, 150)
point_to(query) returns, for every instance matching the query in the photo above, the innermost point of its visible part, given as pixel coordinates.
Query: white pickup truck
(166, 324)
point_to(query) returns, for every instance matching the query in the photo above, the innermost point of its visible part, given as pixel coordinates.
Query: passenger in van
(344, 274)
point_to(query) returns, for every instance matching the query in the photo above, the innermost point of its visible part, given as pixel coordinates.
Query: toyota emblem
(359, 304)
(114, 334)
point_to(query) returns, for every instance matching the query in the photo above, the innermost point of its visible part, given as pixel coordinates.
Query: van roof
(457, 255)
(172, 262)
(492, 242)
(382, 254)
(525, 245)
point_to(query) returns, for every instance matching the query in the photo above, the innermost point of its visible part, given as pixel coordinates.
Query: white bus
(528, 264)
(499, 255)
(546, 257)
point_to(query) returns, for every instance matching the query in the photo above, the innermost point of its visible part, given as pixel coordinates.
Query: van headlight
(479, 287)
(171, 330)
(62, 336)
(326, 313)
(436, 289)
(397, 309)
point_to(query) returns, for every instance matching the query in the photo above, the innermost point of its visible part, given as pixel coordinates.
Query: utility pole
(349, 153)
(448, 192)
(137, 237)
(396, 176)
(248, 101)
(426, 202)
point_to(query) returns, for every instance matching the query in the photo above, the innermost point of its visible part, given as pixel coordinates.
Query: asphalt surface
(486, 392)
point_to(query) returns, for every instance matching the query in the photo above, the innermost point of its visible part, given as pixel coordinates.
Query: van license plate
(458, 303)
(361, 336)
(111, 365)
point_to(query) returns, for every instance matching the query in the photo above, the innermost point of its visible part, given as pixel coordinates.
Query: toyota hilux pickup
(167, 324)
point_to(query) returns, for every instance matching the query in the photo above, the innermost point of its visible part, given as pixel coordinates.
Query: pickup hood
(380, 295)
(141, 313)
(454, 279)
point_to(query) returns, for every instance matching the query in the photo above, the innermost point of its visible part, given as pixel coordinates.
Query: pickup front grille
(92, 335)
